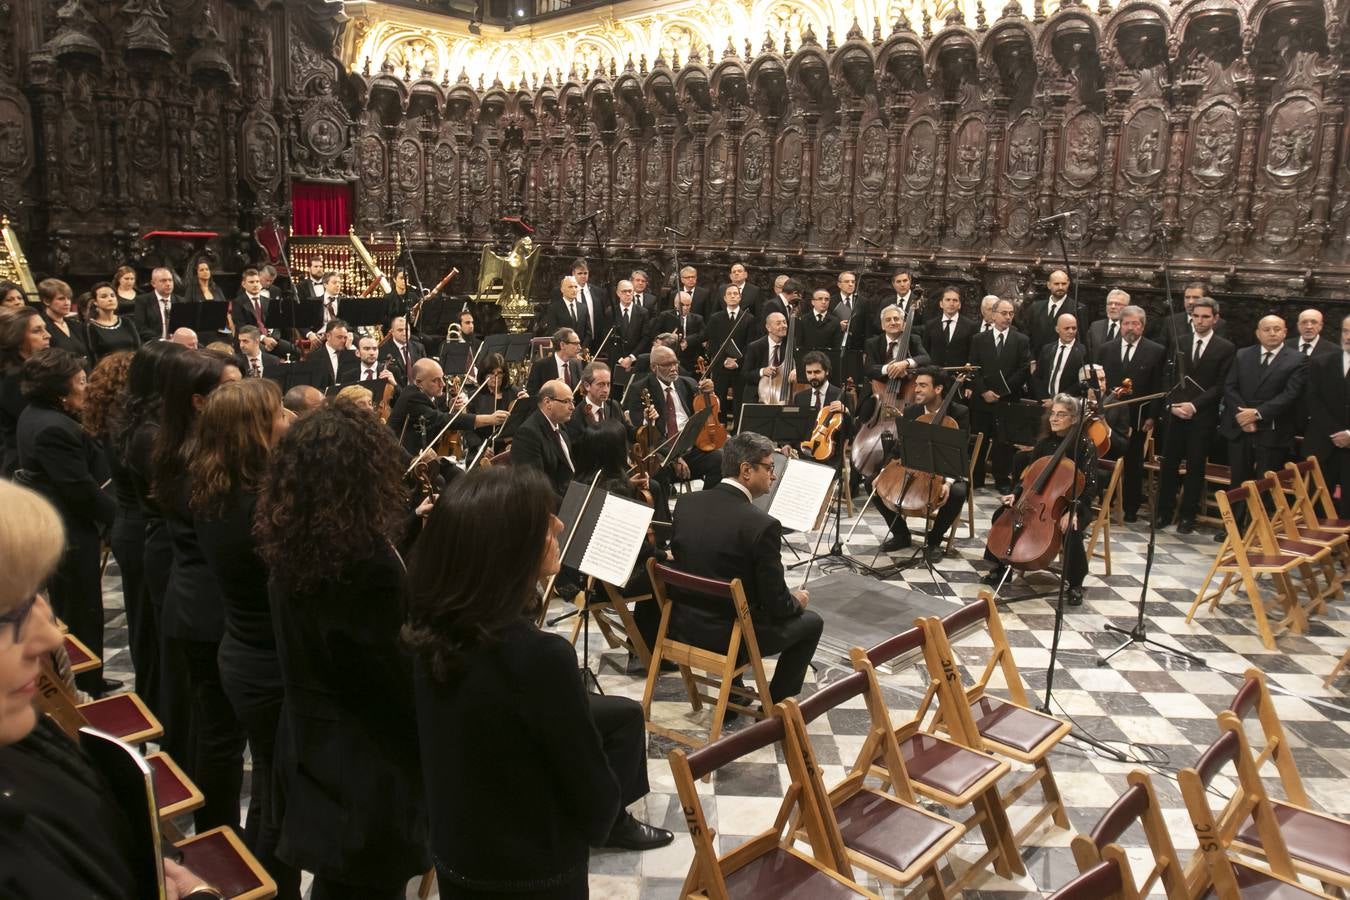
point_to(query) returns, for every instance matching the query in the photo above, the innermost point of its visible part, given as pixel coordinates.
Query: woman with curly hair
(330, 510)
(65, 465)
(234, 435)
(23, 332)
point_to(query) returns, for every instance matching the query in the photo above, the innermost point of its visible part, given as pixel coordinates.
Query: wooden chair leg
(426, 884)
(1050, 788)
(1331, 676)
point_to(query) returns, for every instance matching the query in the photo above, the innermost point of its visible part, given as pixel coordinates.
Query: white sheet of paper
(613, 548)
(801, 493)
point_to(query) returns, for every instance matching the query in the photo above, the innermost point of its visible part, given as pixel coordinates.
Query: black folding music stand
(929, 448)
(780, 424)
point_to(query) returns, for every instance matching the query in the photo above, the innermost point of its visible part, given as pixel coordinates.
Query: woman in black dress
(193, 619)
(497, 395)
(124, 285)
(23, 332)
(1065, 410)
(105, 331)
(401, 299)
(64, 464)
(67, 332)
(329, 512)
(238, 425)
(501, 702)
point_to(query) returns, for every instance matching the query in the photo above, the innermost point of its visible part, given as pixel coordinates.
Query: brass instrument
(453, 333)
(361, 266)
(515, 275)
(13, 264)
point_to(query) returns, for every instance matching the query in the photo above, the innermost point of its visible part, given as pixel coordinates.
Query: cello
(924, 490)
(868, 453)
(1030, 533)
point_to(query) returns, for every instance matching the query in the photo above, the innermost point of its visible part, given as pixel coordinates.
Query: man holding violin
(821, 396)
(422, 410)
(672, 403)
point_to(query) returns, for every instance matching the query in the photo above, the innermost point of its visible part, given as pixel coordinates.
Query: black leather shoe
(933, 554)
(1075, 596)
(630, 834)
(897, 542)
(1220, 535)
(1185, 526)
(993, 578)
(110, 686)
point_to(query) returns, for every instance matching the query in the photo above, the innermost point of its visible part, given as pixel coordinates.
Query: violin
(891, 396)
(820, 446)
(713, 435)
(1029, 534)
(1095, 427)
(646, 437)
(924, 491)
(449, 444)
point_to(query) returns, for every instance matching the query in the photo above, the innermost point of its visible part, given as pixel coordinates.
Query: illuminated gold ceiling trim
(413, 43)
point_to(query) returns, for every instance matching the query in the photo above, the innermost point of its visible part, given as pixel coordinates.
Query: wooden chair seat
(1311, 838)
(1254, 884)
(174, 791)
(82, 659)
(1015, 727)
(945, 767)
(1137, 806)
(786, 874)
(887, 830)
(218, 857)
(124, 716)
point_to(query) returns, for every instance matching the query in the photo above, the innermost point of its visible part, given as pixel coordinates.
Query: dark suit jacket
(1014, 364)
(803, 400)
(757, 357)
(319, 368)
(347, 758)
(1040, 327)
(863, 317)
(558, 317)
(693, 330)
(546, 369)
(534, 445)
(1273, 391)
(66, 466)
(75, 344)
(1210, 373)
(1096, 334)
(1327, 397)
(747, 329)
(890, 298)
(270, 365)
(580, 424)
(1322, 346)
(1045, 363)
(148, 317)
(1145, 373)
(702, 301)
(684, 387)
(719, 534)
(241, 310)
(413, 406)
(1163, 329)
(630, 339)
(944, 353)
(822, 336)
(874, 354)
(752, 298)
(389, 354)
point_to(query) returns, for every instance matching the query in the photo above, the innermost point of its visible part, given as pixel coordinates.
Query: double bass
(891, 397)
(778, 389)
(1030, 533)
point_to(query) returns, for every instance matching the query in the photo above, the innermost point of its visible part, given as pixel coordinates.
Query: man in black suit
(734, 329)
(400, 353)
(884, 359)
(720, 534)
(686, 323)
(313, 286)
(596, 302)
(1204, 358)
(763, 363)
(567, 311)
(631, 333)
(153, 307)
(1181, 321)
(420, 412)
(820, 394)
(333, 362)
(1043, 314)
(750, 294)
(705, 303)
(1106, 330)
(1260, 403)
(643, 295)
(254, 362)
(594, 405)
(563, 365)
(820, 330)
(1004, 356)
(1135, 357)
(1309, 341)
(947, 336)
(787, 300)
(540, 441)
(855, 313)
(1327, 436)
(931, 385)
(251, 307)
(672, 398)
(1058, 363)
(905, 294)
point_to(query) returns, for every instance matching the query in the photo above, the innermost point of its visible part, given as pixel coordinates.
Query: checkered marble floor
(1157, 709)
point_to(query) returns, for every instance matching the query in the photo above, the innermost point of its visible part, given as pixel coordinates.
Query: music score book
(802, 494)
(603, 532)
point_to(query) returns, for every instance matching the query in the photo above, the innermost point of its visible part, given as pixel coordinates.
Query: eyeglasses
(762, 465)
(571, 342)
(568, 401)
(17, 617)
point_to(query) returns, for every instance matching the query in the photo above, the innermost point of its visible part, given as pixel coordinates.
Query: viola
(713, 435)
(1095, 428)
(820, 446)
(1029, 534)
(646, 437)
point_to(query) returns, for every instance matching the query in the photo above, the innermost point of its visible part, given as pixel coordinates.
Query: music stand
(1018, 421)
(308, 315)
(363, 312)
(932, 449)
(437, 315)
(780, 424)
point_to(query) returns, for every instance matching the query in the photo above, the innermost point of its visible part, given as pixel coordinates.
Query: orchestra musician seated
(593, 407)
(541, 443)
(884, 358)
(420, 413)
(672, 403)
(1065, 411)
(821, 394)
(401, 352)
(720, 533)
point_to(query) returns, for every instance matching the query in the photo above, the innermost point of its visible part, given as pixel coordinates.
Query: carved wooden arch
(571, 102)
(631, 99)
(855, 65)
(384, 83)
(1194, 9)
(692, 86)
(1133, 11)
(1061, 17)
(809, 70)
(1261, 8)
(599, 99)
(461, 101)
(955, 37)
(659, 89)
(903, 43)
(728, 82)
(425, 96)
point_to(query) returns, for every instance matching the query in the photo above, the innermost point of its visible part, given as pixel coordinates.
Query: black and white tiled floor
(1158, 709)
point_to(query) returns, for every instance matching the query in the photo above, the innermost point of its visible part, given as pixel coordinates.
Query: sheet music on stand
(603, 533)
(803, 495)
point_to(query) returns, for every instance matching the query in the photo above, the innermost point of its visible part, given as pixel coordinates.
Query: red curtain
(327, 205)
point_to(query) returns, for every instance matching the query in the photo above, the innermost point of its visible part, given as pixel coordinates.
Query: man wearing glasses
(672, 403)
(720, 533)
(564, 365)
(540, 440)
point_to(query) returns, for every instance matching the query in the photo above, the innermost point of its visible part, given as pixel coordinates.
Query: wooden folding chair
(220, 858)
(614, 620)
(1279, 488)
(976, 445)
(82, 659)
(1212, 865)
(1139, 804)
(1314, 500)
(942, 770)
(1337, 669)
(767, 865)
(174, 791)
(123, 716)
(1101, 882)
(882, 832)
(1318, 844)
(1101, 522)
(981, 721)
(701, 668)
(1245, 555)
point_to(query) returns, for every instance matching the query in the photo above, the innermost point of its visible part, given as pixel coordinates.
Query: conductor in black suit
(541, 443)
(719, 534)
(1139, 359)
(947, 336)
(332, 362)
(1042, 315)
(564, 364)
(1004, 356)
(1203, 357)
(820, 330)
(1260, 402)
(1058, 362)
(153, 307)
(1327, 436)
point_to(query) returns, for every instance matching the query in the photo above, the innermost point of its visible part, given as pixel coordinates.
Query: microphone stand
(401, 229)
(1139, 633)
(284, 258)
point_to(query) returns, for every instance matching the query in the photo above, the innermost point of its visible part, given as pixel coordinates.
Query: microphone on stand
(397, 223)
(675, 231)
(868, 241)
(1059, 217)
(584, 219)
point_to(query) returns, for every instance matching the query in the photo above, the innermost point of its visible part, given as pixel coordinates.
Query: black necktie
(947, 326)
(987, 327)
(999, 341)
(820, 319)
(1054, 371)
(1111, 331)
(1129, 351)
(1265, 359)
(891, 348)
(1199, 348)
(625, 315)
(1307, 349)
(777, 355)
(817, 403)
(369, 374)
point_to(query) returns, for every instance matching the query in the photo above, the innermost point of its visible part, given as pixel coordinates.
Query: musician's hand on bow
(706, 385)
(1341, 439)
(500, 416)
(802, 597)
(428, 503)
(269, 342)
(639, 481)
(458, 404)
(521, 395)
(730, 363)
(1047, 402)
(990, 396)
(1247, 416)
(836, 406)
(768, 371)
(681, 469)
(1148, 425)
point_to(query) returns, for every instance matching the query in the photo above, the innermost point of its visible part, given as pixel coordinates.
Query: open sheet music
(802, 493)
(615, 540)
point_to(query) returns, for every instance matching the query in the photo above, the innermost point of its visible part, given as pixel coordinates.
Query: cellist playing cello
(1065, 411)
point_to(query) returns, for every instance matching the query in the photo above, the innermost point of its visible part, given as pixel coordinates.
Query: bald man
(302, 400)
(1309, 341)
(1044, 314)
(541, 442)
(1260, 401)
(185, 336)
(420, 412)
